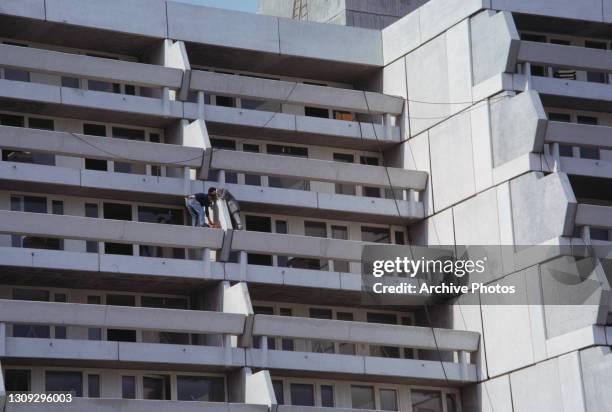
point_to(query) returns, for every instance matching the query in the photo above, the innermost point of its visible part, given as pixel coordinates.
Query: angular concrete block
(511, 138)
(495, 42)
(548, 215)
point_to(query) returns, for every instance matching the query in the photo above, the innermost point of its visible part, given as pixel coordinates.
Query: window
(16, 75)
(316, 229)
(164, 302)
(121, 300)
(200, 388)
(302, 394)
(589, 153)
(71, 82)
(263, 105)
(156, 387)
(17, 380)
(327, 396)
(599, 234)
(278, 392)
(451, 403)
(93, 386)
(64, 381)
(426, 401)
(342, 115)
(281, 227)
(57, 207)
(362, 397)
(388, 400)
(375, 234)
(128, 387)
(316, 112)
(399, 238)
(225, 101)
(121, 335)
(100, 86)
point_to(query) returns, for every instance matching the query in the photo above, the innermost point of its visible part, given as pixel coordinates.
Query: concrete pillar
(556, 157)
(2, 339)
(201, 109)
(236, 385)
(528, 76)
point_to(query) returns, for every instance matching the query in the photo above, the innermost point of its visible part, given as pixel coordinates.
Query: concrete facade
(440, 122)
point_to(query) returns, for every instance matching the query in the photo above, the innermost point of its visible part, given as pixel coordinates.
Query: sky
(241, 5)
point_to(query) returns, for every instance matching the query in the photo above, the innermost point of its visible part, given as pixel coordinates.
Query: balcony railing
(95, 68)
(318, 170)
(415, 337)
(461, 342)
(292, 93)
(108, 230)
(588, 138)
(104, 316)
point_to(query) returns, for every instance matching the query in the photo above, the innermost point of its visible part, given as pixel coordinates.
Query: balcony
(134, 405)
(46, 69)
(271, 124)
(566, 75)
(99, 316)
(175, 181)
(332, 364)
(596, 224)
(570, 135)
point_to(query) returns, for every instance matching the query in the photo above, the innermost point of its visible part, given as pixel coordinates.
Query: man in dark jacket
(194, 204)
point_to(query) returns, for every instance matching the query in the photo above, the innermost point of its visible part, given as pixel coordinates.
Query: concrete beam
(360, 332)
(579, 134)
(294, 245)
(319, 170)
(104, 351)
(134, 405)
(296, 93)
(74, 144)
(77, 314)
(106, 230)
(573, 57)
(594, 215)
(95, 68)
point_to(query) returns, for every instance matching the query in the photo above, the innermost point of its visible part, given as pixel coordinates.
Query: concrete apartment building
(471, 122)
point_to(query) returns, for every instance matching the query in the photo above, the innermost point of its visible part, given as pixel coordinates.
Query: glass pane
(62, 381)
(362, 397)
(302, 394)
(17, 380)
(451, 403)
(388, 400)
(71, 82)
(426, 401)
(34, 204)
(278, 392)
(39, 295)
(17, 75)
(375, 234)
(154, 387)
(128, 387)
(317, 229)
(327, 396)
(200, 388)
(93, 386)
(121, 300)
(163, 302)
